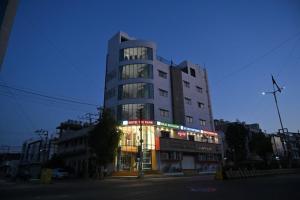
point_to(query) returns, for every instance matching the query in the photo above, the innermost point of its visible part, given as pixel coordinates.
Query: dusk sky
(58, 48)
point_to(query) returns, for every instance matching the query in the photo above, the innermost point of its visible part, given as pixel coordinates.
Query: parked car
(60, 173)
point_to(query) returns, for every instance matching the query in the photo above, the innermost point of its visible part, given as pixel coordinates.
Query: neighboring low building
(36, 152)
(286, 146)
(72, 146)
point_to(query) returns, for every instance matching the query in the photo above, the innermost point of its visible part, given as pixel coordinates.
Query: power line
(48, 96)
(259, 57)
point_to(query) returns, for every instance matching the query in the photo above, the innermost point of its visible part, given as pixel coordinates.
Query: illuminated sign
(137, 122)
(167, 125)
(181, 134)
(209, 133)
(189, 129)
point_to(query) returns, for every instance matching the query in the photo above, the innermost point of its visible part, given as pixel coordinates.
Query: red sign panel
(181, 134)
(138, 122)
(157, 143)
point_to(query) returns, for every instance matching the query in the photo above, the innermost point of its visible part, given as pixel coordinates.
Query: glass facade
(130, 140)
(131, 111)
(135, 71)
(136, 53)
(136, 90)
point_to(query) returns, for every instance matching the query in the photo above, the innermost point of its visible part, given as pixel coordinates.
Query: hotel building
(171, 104)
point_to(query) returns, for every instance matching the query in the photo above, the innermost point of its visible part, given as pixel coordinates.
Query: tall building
(8, 9)
(171, 102)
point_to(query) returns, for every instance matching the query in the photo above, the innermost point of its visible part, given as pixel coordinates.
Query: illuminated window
(131, 111)
(135, 71)
(136, 53)
(136, 90)
(202, 122)
(164, 113)
(188, 119)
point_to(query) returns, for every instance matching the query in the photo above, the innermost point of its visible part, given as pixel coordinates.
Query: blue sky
(58, 47)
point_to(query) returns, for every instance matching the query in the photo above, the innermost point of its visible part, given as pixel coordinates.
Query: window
(162, 74)
(188, 119)
(135, 71)
(110, 93)
(131, 111)
(136, 53)
(202, 122)
(188, 100)
(199, 89)
(193, 72)
(165, 134)
(186, 84)
(164, 113)
(136, 90)
(163, 93)
(200, 105)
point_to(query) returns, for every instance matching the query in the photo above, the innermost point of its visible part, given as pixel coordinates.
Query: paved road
(201, 187)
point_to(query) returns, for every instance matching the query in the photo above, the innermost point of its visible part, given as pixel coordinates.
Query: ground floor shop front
(166, 148)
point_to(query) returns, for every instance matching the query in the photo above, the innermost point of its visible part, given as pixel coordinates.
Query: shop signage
(209, 133)
(181, 134)
(167, 125)
(137, 122)
(189, 129)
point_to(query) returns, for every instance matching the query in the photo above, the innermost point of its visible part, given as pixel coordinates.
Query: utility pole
(276, 89)
(44, 136)
(140, 149)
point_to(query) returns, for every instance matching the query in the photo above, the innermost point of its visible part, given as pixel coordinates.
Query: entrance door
(188, 162)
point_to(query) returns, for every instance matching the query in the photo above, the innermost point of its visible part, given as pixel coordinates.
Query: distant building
(286, 146)
(9, 160)
(172, 101)
(8, 9)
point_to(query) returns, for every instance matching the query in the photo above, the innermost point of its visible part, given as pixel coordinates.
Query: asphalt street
(200, 187)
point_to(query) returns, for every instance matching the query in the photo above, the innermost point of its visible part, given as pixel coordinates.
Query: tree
(235, 136)
(103, 141)
(261, 145)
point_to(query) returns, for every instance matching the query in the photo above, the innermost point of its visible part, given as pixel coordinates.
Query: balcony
(171, 144)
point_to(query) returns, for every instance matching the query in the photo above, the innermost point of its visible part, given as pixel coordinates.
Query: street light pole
(279, 89)
(141, 174)
(276, 102)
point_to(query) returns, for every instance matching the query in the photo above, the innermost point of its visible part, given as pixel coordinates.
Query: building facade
(73, 146)
(8, 9)
(166, 105)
